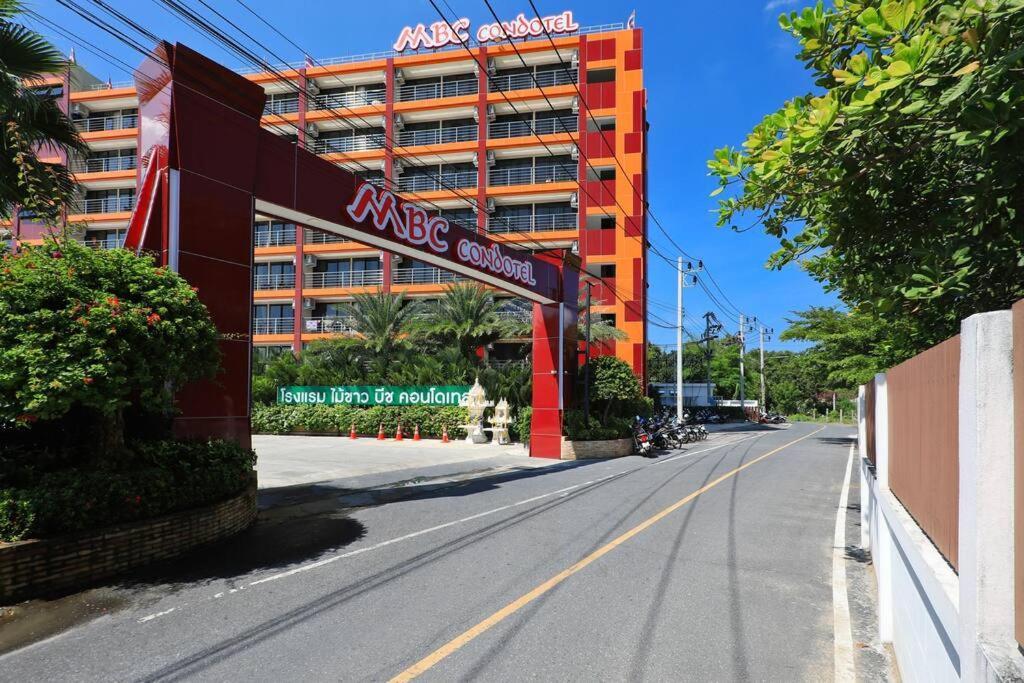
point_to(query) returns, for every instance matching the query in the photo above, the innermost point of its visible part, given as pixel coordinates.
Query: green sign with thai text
(373, 395)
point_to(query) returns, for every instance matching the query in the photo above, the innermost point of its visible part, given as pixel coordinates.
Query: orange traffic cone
(398, 432)
(444, 434)
(416, 434)
(380, 432)
(352, 432)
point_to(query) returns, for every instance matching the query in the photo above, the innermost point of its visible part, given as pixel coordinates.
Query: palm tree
(31, 121)
(383, 320)
(467, 315)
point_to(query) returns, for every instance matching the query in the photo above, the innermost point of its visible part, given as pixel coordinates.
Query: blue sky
(711, 75)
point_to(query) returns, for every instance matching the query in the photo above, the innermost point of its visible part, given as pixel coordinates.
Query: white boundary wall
(945, 627)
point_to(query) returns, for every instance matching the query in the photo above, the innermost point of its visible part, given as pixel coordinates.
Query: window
(601, 76)
(607, 270)
(608, 223)
(607, 318)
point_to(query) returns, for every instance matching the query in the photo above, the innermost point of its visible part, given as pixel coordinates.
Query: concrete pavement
(710, 564)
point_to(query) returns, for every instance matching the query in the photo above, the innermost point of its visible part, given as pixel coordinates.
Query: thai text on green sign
(373, 395)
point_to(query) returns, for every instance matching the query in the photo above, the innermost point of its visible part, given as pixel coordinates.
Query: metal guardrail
(281, 107)
(436, 136)
(531, 175)
(352, 143)
(273, 281)
(100, 123)
(430, 91)
(103, 164)
(351, 278)
(318, 237)
(104, 205)
(431, 183)
(521, 315)
(329, 325)
(273, 325)
(535, 223)
(349, 99)
(113, 242)
(541, 79)
(519, 129)
(276, 238)
(111, 86)
(424, 276)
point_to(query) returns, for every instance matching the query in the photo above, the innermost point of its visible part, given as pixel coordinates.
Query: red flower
(27, 417)
(194, 289)
(83, 322)
(88, 380)
(113, 301)
(57, 254)
(152, 319)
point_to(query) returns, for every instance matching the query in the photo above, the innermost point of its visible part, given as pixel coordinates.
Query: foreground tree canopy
(900, 183)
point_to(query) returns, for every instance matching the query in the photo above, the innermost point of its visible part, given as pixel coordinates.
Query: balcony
(430, 91)
(273, 281)
(103, 164)
(424, 276)
(281, 107)
(330, 325)
(435, 136)
(520, 129)
(537, 223)
(352, 143)
(542, 79)
(318, 237)
(518, 315)
(97, 124)
(532, 175)
(105, 205)
(434, 183)
(110, 242)
(273, 325)
(277, 238)
(348, 99)
(349, 278)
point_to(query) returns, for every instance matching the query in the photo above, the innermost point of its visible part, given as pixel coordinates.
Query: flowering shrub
(285, 419)
(168, 476)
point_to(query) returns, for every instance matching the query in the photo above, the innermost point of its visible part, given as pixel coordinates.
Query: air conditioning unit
(575, 104)
(575, 248)
(399, 123)
(575, 153)
(312, 88)
(476, 114)
(491, 159)
(575, 59)
(308, 303)
(492, 67)
(490, 205)
(309, 260)
(491, 113)
(574, 200)
(396, 168)
(81, 110)
(399, 77)
(312, 131)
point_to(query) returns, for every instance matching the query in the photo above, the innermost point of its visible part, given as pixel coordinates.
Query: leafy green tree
(384, 321)
(900, 182)
(88, 333)
(31, 122)
(466, 315)
(612, 385)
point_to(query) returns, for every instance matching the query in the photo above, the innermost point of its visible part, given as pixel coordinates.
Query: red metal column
(389, 152)
(300, 231)
(481, 145)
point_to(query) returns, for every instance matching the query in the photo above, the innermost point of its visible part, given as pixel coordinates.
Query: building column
(390, 94)
(483, 87)
(300, 231)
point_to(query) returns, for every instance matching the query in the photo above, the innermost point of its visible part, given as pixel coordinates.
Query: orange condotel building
(483, 146)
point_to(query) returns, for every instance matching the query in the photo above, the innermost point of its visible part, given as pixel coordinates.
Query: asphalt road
(629, 569)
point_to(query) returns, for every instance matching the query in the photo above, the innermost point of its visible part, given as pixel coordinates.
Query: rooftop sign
(442, 33)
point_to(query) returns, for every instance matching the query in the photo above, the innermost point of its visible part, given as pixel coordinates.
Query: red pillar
(389, 153)
(481, 145)
(300, 232)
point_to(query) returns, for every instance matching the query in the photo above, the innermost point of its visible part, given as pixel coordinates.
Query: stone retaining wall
(585, 450)
(43, 566)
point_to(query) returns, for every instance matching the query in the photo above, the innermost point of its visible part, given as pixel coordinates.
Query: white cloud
(778, 4)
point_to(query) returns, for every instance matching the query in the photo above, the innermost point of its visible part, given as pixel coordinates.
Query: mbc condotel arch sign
(207, 166)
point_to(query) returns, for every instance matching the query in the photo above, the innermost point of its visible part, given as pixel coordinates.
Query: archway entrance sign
(206, 166)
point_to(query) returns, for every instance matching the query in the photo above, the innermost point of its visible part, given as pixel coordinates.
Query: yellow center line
(459, 641)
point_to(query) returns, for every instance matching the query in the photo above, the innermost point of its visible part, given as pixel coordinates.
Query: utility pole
(711, 329)
(743, 351)
(586, 359)
(681, 285)
(764, 333)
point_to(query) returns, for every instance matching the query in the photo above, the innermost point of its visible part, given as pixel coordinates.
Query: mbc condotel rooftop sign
(442, 33)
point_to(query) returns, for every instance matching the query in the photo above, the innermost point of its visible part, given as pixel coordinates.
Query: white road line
(143, 620)
(843, 638)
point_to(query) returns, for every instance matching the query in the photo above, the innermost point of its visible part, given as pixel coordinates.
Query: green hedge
(165, 476)
(285, 419)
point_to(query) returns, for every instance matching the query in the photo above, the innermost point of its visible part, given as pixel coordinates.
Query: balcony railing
(95, 124)
(542, 79)
(424, 276)
(429, 91)
(273, 281)
(273, 325)
(103, 164)
(537, 223)
(350, 278)
(104, 205)
(276, 238)
(519, 315)
(111, 242)
(532, 175)
(318, 237)
(348, 99)
(431, 183)
(353, 143)
(519, 129)
(330, 325)
(281, 107)
(436, 136)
